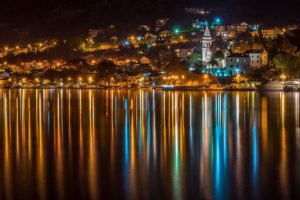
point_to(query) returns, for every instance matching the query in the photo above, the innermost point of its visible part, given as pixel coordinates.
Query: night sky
(32, 7)
(82, 14)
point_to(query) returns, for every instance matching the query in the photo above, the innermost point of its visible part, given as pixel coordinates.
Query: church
(206, 47)
(219, 67)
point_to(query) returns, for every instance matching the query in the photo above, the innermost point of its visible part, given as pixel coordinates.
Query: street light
(218, 20)
(176, 31)
(90, 79)
(283, 76)
(238, 78)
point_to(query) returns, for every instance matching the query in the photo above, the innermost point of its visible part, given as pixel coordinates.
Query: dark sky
(29, 6)
(58, 11)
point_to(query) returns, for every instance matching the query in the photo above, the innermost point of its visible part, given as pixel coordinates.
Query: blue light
(126, 43)
(176, 31)
(168, 86)
(218, 20)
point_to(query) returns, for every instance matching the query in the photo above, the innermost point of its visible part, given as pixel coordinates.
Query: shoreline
(175, 88)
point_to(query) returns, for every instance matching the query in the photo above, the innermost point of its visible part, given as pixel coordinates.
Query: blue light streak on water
(154, 127)
(255, 157)
(126, 148)
(218, 163)
(126, 133)
(225, 136)
(219, 151)
(49, 121)
(191, 128)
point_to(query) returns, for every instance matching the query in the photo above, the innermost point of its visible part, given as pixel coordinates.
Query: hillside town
(197, 55)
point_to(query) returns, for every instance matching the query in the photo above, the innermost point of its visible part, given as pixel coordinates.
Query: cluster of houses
(223, 64)
(217, 62)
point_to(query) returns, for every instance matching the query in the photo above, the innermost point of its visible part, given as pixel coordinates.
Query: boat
(292, 85)
(271, 86)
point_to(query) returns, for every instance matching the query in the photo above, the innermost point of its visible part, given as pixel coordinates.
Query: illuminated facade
(206, 46)
(258, 58)
(237, 63)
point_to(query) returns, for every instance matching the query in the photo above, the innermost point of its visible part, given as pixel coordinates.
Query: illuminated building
(238, 27)
(165, 34)
(160, 23)
(199, 24)
(184, 53)
(237, 63)
(271, 33)
(206, 46)
(258, 58)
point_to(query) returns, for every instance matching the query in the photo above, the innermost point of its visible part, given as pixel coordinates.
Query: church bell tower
(206, 46)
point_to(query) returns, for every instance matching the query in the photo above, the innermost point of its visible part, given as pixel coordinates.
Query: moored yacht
(292, 85)
(271, 86)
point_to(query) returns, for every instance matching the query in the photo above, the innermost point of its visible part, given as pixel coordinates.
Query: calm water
(144, 144)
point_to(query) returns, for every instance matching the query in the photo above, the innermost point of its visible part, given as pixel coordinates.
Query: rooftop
(207, 32)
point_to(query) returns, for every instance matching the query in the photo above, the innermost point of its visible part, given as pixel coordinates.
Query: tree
(288, 63)
(77, 43)
(196, 58)
(244, 36)
(175, 65)
(294, 37)
(106, 69)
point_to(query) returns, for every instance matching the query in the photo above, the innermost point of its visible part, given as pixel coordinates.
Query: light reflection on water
(145, 144)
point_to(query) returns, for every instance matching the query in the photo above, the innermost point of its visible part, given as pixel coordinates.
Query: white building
(255, 59)
(258, 58)
(206, 46)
